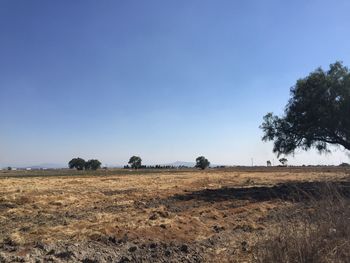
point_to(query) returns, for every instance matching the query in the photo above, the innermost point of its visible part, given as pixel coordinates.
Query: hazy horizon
(168, 81)
(308, 158)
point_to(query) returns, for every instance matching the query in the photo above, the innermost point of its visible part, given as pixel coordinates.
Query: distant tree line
(135, 162)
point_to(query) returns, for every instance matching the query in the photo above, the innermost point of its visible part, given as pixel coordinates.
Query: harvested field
(152, 216)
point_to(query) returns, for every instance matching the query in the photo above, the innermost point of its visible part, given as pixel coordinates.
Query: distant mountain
(47, 166)
(180, 163)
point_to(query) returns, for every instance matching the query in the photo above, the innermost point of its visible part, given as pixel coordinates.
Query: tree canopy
(77, 163)
(316, 115)
(202, 162)
(135, 162)
(92, 164)
(80, 164)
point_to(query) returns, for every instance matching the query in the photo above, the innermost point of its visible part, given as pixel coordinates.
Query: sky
(165, 80)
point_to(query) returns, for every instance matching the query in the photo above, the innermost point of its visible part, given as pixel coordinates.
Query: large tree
(317, 114)
(135, 162)
(202, 162)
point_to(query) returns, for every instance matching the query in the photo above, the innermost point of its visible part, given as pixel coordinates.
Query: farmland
(148, 216)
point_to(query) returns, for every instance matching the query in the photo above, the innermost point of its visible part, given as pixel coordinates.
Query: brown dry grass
(320, 234)
(223, 211)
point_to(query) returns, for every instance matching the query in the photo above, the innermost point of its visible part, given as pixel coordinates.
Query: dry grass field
(152, 216)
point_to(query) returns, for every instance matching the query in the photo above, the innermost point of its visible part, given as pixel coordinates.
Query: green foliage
(92, 164)
(316, 115)
(80, 164)
(77, 163)
(202, 162)
(135, 162)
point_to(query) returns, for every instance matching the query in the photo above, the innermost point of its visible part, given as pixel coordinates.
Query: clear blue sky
(166, 80)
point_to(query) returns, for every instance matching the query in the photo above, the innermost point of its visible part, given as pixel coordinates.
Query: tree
(92, 164)
(77, 163)
(283, 161)
(316, 115)
(202, 162)
(135, 162)
(268, 163)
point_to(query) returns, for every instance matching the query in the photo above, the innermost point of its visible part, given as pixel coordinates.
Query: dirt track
(155, 217)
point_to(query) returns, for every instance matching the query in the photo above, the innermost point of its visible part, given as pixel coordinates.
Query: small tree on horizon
(77, 163)
(135, 162)
(202, 162)
(92, 164)
(283, 161)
